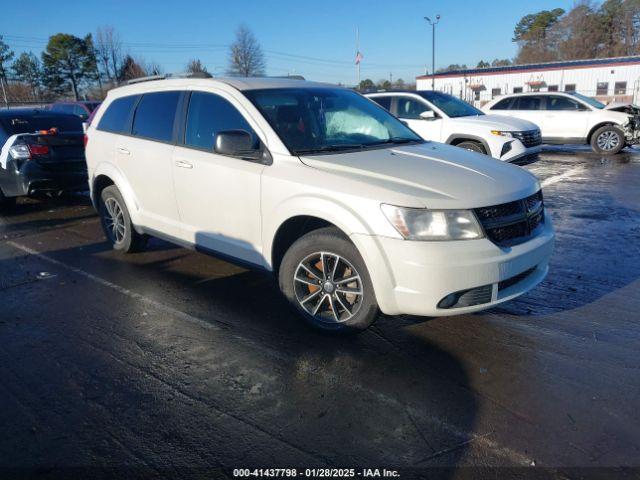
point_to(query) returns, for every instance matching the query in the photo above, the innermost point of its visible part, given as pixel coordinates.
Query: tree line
(75, 67)
(587, 30)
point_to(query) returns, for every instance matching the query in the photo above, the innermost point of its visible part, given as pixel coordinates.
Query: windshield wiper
(396, 141)
(331, 148)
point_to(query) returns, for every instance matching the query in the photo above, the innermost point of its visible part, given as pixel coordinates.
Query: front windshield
(318, 120)
(591, 101)
(452, 107)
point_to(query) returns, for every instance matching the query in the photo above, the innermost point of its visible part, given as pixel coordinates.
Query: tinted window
(570, 87)
(410, 108)
(527, 103)
(450, 105)
(116, 118)
(502, 104)
(620, 88)
(384, 102)
(208, 115)
(32, 123)
(562, 103)
(155, 115)
(552, 88)
(63, 108)
(517, 89)
(602, 88)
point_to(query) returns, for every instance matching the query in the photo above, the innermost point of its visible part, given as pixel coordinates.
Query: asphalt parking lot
(169, 361)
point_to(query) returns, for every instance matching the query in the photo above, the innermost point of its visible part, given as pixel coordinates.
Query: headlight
(423, 224)
(502, 134)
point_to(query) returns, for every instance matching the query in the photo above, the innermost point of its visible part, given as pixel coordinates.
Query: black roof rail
(165, 76)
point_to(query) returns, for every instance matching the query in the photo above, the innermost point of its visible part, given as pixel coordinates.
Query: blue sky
(315, 39)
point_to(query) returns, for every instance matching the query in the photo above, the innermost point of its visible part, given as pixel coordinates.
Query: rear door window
(117, 118)
(527, 103)
(155, 116)
(208, 115)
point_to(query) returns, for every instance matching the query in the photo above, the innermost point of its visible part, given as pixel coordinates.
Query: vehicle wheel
(473, 146)
(607, 140)
(6, 203)
(325, 279)
(116, 222)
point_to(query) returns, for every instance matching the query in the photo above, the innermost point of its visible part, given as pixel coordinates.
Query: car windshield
(324, 120)
(591, 101)
(452, 107)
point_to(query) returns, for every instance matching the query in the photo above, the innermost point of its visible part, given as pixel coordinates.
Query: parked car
(351, 210)
(81, 109)
(42, 151)
(572, 118)
(444, 118)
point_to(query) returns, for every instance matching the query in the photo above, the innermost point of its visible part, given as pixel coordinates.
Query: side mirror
(428, 115)
(237, 143)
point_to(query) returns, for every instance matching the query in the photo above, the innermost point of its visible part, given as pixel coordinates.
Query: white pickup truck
(444, 118)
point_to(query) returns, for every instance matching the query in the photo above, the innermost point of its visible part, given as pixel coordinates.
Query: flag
(359, 58)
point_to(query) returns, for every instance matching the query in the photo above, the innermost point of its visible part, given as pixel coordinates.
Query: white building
(603, 78)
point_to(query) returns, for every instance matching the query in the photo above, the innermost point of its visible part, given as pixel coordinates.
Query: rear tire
(326, 281)
(116, 222)
(607, 140)
(473, 146)
(6, 203)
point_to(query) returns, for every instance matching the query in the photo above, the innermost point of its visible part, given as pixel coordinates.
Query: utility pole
(358, 55)
(433, 49)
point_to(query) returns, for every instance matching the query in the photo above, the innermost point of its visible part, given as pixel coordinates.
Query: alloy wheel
(328, 287)
(608, 140)
(114, 220)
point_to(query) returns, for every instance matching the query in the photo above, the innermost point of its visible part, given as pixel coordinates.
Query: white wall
(584, 79)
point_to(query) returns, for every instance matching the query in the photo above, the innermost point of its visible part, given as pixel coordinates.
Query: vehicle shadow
(357, 400)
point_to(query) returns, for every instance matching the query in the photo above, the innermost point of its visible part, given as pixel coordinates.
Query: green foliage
(452, 68)
(196, 66)
(27, 69)
(535, 25)
(6, 54)
(483, 64)
(504, 62)
(366, 84)
(69, 63)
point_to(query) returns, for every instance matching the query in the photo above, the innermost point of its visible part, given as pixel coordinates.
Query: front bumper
(518, 152)
(33, 177)
(414, 277)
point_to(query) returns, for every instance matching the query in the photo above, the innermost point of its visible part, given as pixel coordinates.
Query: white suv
(444, 118)
(572, 118)
(351, 210)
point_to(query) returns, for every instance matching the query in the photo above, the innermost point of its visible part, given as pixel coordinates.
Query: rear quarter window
(384, 102)
(117, 118)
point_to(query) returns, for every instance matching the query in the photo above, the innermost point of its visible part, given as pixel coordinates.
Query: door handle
(183, 164)
(123, 151)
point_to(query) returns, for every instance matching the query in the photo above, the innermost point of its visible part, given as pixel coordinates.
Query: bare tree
(196, 66)
(246, 58)
(108, 47)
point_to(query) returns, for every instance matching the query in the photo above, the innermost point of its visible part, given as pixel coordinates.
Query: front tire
(472, 146)
(116, 222)
(607, 140)
(325, 279)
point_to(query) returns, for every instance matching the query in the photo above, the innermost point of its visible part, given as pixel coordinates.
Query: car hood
(434, 174)
(497, 122)
(624, 107)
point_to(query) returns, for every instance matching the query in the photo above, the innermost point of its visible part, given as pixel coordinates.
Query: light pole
(433, 49)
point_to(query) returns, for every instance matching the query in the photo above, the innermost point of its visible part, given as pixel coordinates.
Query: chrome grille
(529, 138)
(513, 222)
